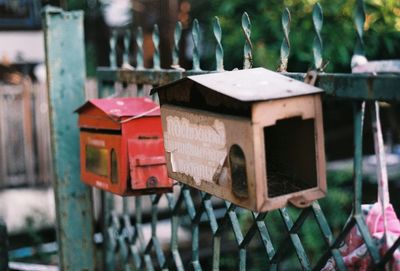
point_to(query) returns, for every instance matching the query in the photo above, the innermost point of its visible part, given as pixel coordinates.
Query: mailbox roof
(123, 107)
(251, 84)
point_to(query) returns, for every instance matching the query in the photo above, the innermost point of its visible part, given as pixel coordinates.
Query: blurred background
(26, 199)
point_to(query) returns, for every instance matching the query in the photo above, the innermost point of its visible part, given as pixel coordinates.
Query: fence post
(65, 61)
(3, 246)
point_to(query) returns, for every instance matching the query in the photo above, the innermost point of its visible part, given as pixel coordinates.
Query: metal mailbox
(122, 149)
(253, 137)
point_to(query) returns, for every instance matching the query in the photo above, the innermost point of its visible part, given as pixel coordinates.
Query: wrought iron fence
(211, 222)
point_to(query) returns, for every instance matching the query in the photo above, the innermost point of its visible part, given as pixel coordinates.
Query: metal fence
(216, 229)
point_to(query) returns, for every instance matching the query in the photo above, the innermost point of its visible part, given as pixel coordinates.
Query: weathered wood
(42, 131)
(65, 61)
(28, 130)
(24, 127)
(257, 143)
(197, 146)
(16, 134)
(267, 114)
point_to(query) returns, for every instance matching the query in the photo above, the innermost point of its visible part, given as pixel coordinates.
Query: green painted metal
(359, 108)
(359, 22)
(285, 46)
(175, 52)
(248, 46)
(196, 45)
(381, 87)
(139, 54)
(113, 51)
(318, 19)
(3, 246)
(219, 50)
(156, 42)
(65, 61)
(127, 47)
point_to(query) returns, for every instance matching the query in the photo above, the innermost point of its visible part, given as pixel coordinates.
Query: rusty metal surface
(251, 84)
(123, 107)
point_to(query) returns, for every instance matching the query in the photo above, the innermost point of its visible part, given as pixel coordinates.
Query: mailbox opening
(291, 156)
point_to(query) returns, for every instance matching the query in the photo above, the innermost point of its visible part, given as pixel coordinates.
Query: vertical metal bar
(195, 247)
(242, 259)
(216, 251)
(219, 50)
(248, 47)
(358, 114)
(65, 61)
(139, 58)
(113, 51)
(174, 242)
(359, 20)
(196, 45)
(127, 48)
(3, 246)
(107, 204)
(138, 222)
(139, 53)
(156, 43)
(175, 52)
(285, 46)
(318, 20)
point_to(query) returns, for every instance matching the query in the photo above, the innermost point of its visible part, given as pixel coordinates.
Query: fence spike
(139, 53)
(247, 54)
(175, 52)
(156, 42)
(219, 50)
(113, 52)
(196, 44)
(285, 46)
(127, 47)
(359, 20)
(318, 20)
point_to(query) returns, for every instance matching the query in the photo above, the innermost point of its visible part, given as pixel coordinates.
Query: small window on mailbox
(97, 160)
(238, 171)
(114, 167)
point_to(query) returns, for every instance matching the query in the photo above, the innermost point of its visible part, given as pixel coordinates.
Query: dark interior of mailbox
(291, 156)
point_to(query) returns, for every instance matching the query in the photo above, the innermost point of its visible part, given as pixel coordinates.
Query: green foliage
(382, 31)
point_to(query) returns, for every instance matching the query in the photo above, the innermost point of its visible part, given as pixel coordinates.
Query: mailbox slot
(147, 164)
(291, 156)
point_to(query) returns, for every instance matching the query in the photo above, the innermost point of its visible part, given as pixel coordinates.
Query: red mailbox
(122, 149)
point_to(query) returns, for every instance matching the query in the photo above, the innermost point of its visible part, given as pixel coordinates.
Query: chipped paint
(196, 149)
